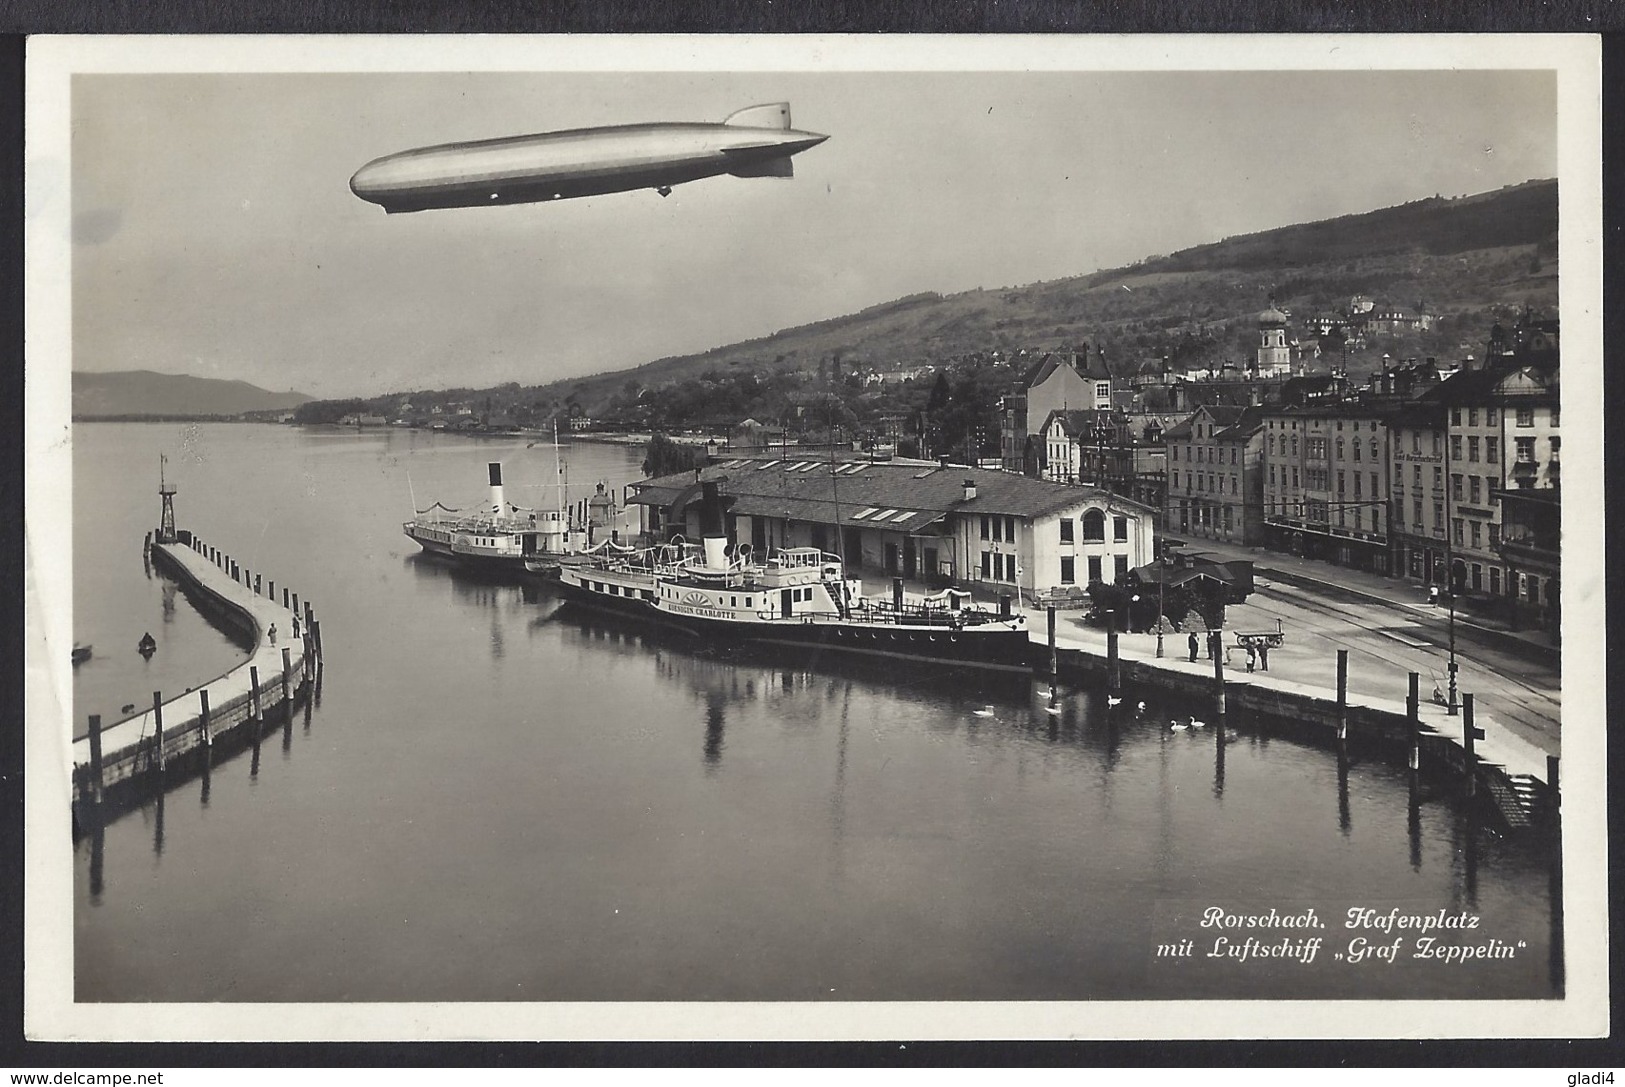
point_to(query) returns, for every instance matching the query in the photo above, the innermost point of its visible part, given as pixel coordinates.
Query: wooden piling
(1342, 694)
(158, 726)
(1218, 674)
(270, 591)
(316, 637)
(96, 758)
(1053, 661)
(203, 716)
(1413, 710)
(285, 598)
(256, 584)
(254, 696)
(897, 597)
(287, 678)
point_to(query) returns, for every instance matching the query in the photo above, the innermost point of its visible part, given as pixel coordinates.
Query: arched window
(1094, 527)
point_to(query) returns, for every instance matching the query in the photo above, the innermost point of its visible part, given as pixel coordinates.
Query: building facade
(1325, 484)
(915, 520)
(1502, 434)
(1215, 475)
(1531, 532)
(1416, 441)
(1057, 382)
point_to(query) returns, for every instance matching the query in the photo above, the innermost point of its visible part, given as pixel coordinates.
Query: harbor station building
(918, 520)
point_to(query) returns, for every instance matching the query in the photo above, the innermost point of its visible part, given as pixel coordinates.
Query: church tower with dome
(1274, 354)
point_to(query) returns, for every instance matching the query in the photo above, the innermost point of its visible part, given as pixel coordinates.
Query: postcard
(615, 538)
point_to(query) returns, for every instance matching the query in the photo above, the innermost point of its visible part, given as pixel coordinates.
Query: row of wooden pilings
(310, 668)
(1470, 734)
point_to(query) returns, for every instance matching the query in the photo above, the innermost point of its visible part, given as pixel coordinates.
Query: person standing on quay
(1193, 644)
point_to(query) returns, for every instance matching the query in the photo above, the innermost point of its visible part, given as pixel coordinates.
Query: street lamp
(1162, 580)
(1451, 667)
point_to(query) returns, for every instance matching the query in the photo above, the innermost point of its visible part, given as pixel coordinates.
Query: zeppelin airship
(754, 142)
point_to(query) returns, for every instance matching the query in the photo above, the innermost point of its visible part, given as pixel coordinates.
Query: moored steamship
(798, 596)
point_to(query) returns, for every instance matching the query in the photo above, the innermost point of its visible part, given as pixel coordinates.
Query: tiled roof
(1247, 423)
(808, 490)
(1042, 369)
(1224, 415)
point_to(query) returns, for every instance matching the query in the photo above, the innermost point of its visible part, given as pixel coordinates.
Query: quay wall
(237, 710)
(1518, 789)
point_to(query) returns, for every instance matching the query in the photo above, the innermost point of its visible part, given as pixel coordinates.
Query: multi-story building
(1058, 382)
(1531, 530)
(1122, 452)
(1502, 433)
(1325, 483)
(1418, 524)
(1215, 474)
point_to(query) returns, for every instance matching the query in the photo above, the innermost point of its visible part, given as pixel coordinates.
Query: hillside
(144, 392)
(1465, 259)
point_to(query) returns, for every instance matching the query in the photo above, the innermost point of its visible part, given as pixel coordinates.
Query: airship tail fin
(779, 167)
(775, 115)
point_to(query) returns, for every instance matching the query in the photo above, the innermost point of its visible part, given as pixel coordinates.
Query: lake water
(502, 798)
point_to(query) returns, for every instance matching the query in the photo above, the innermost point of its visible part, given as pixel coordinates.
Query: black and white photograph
(814, 538)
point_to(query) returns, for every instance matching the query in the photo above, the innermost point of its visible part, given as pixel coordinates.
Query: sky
(214, 232)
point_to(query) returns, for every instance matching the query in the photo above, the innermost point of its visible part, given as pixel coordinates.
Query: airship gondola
(754, 142)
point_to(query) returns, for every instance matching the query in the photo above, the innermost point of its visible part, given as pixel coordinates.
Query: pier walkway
(201, 715)
(1516, 700)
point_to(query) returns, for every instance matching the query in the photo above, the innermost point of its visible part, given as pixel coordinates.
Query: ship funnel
(711, 531)
(494, 468)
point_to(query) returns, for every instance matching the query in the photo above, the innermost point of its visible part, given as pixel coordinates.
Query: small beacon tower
(166, 491)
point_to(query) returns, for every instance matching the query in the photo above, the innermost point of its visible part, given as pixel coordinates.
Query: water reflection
(1344, 819)
(1413, 820)
(158, 826)
(98, 862)
(896, 831)
(715, 718)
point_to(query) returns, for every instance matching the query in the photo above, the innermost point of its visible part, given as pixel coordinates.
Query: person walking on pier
(1252, 657)
(272, 633)
(1193, 646)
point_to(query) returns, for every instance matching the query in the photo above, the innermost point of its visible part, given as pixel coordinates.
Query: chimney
(494, 470)
(712, 533)
(970, 489)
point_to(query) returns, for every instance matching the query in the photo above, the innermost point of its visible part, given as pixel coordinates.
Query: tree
(664, 457)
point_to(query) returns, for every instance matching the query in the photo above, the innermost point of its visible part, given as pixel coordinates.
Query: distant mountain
(1464, 258)
(144, 392)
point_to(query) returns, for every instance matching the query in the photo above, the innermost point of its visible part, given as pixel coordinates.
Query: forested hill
(1464, 259)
